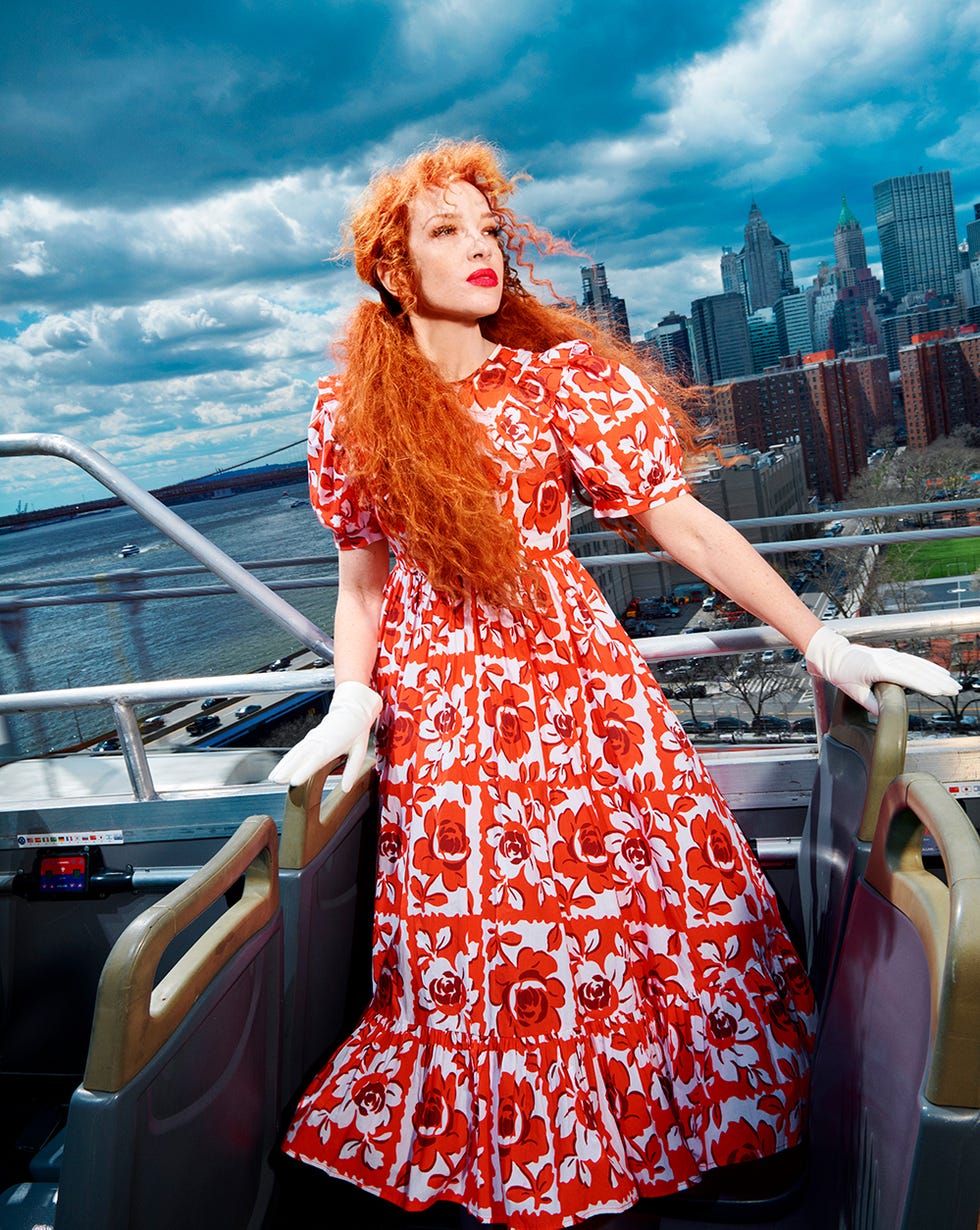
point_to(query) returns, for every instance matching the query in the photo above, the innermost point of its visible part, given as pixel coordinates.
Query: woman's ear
(384, 274)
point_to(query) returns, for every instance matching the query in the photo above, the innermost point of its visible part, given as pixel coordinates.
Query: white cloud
(796, 75)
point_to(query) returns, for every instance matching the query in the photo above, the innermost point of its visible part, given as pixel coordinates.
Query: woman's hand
(345, 729)
(854, 668)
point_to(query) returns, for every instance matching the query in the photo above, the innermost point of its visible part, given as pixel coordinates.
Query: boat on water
(183, 941)
(129, 548)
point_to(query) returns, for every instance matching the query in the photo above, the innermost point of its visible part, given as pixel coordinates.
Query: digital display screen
(63, 873)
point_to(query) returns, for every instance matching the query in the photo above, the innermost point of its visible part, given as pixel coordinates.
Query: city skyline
(173, 183)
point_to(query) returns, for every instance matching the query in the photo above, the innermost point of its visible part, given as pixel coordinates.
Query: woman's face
(458, 263)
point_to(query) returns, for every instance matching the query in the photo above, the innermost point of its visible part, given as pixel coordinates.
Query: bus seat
(857, 762)
(177, 1112)
(326, 874)
(895, 1125)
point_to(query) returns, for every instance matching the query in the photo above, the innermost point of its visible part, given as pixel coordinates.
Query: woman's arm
(699, 539)
(346, 729)
(362, 573)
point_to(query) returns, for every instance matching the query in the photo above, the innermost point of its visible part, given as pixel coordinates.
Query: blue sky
(173, 177)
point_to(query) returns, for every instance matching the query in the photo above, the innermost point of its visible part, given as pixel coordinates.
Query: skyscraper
(973, 234)
(768, 273)
(603, 307)
(849, 249)
(917, 232)
(761, 271)
(721, 337)
(673, 344)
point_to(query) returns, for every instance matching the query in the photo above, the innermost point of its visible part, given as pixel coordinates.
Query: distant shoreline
(190, 492)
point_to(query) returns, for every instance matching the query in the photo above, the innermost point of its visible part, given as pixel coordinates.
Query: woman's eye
(446, 229)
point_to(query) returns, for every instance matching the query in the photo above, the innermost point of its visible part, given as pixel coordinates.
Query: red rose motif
(440, 1129)
(451, 845)
(598, 995)
(511, 724)
(656, 474)
(565, 726)
(491, 378)
(401, 732)
(514, 844)
(521, 1134)
(741, 1142)
(528, 993)
(443, 851)
(388, 990)
(622, 739)
(713, 861)
(448, 721)
(722, 1026)
(448, 992)
(391, 843)
(368, 1095)
(542, 491)
(589, 847)
(432, 1115)
(636, 851)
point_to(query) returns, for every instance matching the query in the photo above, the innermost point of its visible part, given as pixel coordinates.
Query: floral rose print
(583, 991)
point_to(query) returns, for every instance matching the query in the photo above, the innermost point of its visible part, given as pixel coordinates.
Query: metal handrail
(176, 529)
(123, 697)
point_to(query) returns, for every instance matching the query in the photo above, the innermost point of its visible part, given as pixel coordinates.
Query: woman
(583, 991)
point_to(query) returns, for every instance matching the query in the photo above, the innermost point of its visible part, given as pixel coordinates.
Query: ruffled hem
(537, 1136)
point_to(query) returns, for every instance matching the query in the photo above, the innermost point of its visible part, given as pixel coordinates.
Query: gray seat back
(326, 877)
(857, 762)
(178, 1110)
(895, 1124)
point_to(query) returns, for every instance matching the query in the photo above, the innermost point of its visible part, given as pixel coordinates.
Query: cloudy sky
(173, 176)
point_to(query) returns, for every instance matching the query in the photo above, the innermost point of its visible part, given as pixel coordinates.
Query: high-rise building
(973, 235)
(917, 233)
(768, 273)
(673, 344)
(823, 403)
(793, 330)
(940, 383)
(761, 272)
(764, 339)
(604, 308)
(722, 348)
(849, 249)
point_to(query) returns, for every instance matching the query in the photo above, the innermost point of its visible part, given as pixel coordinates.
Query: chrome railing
(176, 529)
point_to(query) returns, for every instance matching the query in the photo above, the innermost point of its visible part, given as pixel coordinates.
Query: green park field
(931, 560)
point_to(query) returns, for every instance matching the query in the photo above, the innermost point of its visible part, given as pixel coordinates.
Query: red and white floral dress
(583, 992)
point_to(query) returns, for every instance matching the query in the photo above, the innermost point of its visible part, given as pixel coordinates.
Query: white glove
(346, 728)
(854, 668)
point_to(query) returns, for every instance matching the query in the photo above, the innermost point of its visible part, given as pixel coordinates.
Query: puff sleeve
(616, 431)
(335, 499)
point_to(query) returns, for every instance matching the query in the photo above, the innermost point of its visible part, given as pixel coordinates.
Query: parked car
(805, 726)
(201, 725)
(694, 726)
(640, 627)
(107, 745)
(709, 603)
(730, 724)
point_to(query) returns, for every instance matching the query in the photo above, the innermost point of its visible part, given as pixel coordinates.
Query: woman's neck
(454, 348)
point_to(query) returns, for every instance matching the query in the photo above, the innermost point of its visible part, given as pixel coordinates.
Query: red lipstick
(483, 277)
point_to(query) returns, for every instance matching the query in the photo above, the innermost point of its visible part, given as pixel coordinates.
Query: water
(79, 646)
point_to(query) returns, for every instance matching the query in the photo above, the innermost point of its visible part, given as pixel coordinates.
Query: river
(81, 645)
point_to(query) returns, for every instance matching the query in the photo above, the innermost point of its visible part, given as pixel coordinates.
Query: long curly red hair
(412, 448)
